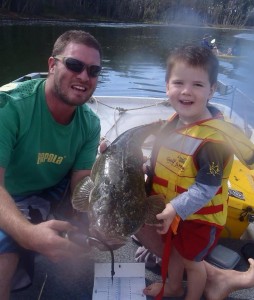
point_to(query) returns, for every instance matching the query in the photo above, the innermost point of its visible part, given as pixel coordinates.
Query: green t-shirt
(36, 151)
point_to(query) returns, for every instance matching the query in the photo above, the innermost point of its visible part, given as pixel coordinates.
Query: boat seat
(223, 257)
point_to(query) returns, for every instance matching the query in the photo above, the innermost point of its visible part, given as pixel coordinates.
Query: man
(47, 139)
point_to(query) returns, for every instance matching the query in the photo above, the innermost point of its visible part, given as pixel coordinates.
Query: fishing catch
(114, 195)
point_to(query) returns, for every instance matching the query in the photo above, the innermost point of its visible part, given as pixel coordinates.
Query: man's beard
(65, 99)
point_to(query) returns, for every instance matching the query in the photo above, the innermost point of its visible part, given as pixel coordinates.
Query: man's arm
(76, 176)
(44, 238)
(11, 219)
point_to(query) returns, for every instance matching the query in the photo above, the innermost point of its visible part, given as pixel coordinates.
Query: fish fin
(81, 193)
(155, 205)
(97, 165)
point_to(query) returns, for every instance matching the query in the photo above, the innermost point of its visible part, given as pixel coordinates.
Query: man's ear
(51, 64)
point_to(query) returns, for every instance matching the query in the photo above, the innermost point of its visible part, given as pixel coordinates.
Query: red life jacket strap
(165, 261)
(160, 181)
(181, 190)
(203, 211)
(210, 210)
(166, 253)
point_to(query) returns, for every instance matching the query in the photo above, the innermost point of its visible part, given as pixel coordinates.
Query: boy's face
(189, 89)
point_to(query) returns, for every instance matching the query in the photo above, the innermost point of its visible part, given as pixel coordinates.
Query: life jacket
(234, 137)
(182, 154)
(175, 169)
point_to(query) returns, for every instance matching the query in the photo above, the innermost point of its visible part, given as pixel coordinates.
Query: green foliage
(216, 12)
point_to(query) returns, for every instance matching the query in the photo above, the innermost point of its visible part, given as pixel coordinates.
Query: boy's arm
(208, 180)
(194, 199)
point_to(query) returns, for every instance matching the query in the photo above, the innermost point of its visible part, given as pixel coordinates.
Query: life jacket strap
(209, 210)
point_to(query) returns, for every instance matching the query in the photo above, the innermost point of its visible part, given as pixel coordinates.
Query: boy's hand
(167, 216)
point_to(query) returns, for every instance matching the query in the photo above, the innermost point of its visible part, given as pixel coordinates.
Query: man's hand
(46, 239)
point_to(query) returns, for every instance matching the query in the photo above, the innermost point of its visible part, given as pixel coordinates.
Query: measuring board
(128, 282)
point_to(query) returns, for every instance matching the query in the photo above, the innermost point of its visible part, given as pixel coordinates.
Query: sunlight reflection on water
(134, 55)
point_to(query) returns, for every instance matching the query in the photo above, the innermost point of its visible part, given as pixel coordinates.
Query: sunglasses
(78, 66)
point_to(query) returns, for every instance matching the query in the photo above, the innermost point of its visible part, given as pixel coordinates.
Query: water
(134, 56)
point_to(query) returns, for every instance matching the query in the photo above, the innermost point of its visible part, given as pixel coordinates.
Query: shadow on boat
(73, 280)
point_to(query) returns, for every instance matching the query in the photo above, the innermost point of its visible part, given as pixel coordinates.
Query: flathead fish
(114, 195)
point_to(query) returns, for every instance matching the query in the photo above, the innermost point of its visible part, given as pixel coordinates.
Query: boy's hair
(78, 37)
(195, 56)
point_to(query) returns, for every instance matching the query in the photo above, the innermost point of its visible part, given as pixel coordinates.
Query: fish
(114, 195)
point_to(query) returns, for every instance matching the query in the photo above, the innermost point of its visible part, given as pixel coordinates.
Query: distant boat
(229, 56)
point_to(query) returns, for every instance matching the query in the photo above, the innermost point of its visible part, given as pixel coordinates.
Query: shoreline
(13, 18)
(26, 21)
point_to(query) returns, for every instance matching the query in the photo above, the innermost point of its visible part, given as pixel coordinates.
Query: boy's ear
(167, 91)
(213, 90)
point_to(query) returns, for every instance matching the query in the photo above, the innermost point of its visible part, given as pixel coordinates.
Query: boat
(229, 56)
(119, 113)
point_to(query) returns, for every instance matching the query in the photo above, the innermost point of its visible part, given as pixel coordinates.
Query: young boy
(191, 163)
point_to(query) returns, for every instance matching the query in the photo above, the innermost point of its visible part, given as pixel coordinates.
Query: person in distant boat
(206, 43)
(49, 140)
(215, 49)
(190, 165)
(235, 51)
(236, 48)
(229, 51)
(210, 44)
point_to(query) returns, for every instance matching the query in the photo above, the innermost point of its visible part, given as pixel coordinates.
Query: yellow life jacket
(234, 137)
(175, 169)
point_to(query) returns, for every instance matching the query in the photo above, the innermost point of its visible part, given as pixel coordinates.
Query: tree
(216, 12)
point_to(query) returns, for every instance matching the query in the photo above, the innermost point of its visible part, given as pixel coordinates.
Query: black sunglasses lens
(78, 66)
(94, 71)
(74, 65)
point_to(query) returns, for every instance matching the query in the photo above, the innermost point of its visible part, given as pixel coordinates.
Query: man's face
(74, 88)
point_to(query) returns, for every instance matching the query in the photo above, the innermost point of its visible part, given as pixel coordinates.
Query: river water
(134, 55)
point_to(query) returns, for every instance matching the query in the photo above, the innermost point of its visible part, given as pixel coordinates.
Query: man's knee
(150, 239)
(8, 266)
